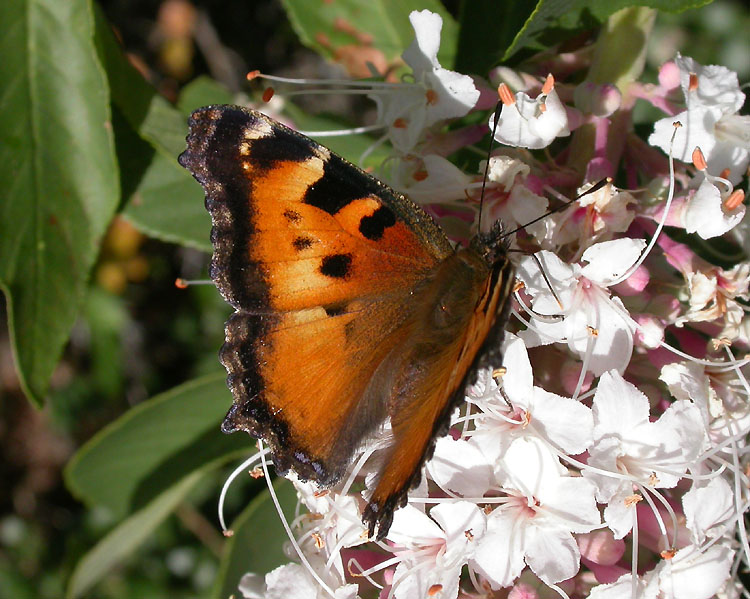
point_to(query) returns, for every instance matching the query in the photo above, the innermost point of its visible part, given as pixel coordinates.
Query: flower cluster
(606, 456)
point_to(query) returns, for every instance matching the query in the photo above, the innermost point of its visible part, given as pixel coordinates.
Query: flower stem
(619, 57)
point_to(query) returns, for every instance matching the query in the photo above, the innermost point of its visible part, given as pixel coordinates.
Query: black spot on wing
(374, 226)
(302, 243)
(335, 309)
(280, 146)
(341, 184)
(337, 266)
(292, 215)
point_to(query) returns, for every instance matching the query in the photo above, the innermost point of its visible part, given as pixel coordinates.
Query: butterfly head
(492, 246)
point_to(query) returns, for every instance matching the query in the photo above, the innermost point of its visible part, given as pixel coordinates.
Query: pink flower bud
(597, 99)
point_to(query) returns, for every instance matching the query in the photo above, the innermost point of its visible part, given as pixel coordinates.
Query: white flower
(593, 217)
(460, 467)
(719, 393)
(626, 442)
(531, 122)
(508, 198)
(337, 518)
(504, 170)
(688, 380)
(594, 324)
(713, 210)
(565, 423)
(436, 180)
(695, 574)
(712, 98)
(534, 527)
(436, 94)
(708, 507)
(434, 548)
(713, 296)
(290, 580)
(647, 587)
(690, 574)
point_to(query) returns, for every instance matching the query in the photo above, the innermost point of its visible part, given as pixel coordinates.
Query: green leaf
(155, 119)
(167, 204)
(164, 201)
(106, 317)
(487, 29)
(384, 23)
(154, 445)
(58, 163)
(14, 584)
(203, 91)
(170, 207)
(124, 539)
(258, 540)
(556, 20)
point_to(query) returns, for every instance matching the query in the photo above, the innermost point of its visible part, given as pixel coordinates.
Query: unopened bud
(599, 100)
(516, 80)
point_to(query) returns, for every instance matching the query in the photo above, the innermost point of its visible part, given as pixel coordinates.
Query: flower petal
(460, 467)
(618, 406)
(609, 260)
(692, 574)
(421, 55)
(552, 554)
(705, 213)
(499, 555)
(565, 422)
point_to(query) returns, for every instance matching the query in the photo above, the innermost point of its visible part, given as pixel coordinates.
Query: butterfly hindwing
(300, 381)
(466, 321)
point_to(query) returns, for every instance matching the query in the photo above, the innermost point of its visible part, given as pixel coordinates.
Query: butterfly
(352, 307)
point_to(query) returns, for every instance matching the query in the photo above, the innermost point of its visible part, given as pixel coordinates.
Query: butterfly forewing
(296, 225)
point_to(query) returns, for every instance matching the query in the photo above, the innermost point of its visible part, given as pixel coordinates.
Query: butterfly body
(352, 308)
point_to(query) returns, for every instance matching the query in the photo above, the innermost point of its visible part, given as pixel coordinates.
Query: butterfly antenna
(181, 283)
(546, 280)
(498, 108)
(567, 203)
(544, 276)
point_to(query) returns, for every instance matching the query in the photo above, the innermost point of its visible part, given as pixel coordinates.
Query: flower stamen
(693, 82)
(506, 95)
(549, 84)
(734, 200)
(699, 160)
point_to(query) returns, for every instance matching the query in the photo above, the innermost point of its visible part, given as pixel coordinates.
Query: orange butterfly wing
(338, 284)
(466, 324)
